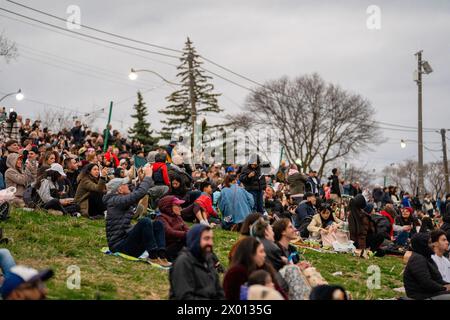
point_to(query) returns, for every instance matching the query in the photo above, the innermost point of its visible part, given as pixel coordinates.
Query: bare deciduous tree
(405, 176)
(319, 122)
(56, 120)
(8, 48)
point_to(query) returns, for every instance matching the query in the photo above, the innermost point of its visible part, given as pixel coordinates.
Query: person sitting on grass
(18, 177)
(175, 227)
(6, 261)
(259, 286)
(145, 235)
(90, 191)
(201, 210)
(440, 247)
(244, 231)
(421, 277)
(23, 283)
(193, 275)
(47, 189)
(324, 222)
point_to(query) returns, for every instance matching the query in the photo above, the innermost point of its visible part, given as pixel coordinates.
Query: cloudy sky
(260, 39)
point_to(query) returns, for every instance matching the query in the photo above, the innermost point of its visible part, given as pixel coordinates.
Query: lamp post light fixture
(133, 75)
(18, 93)
(403, 144)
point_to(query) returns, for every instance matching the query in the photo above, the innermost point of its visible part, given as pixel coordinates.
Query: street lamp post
(18, 93)
(422, 67)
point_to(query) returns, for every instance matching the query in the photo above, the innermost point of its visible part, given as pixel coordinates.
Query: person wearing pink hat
(174, 226)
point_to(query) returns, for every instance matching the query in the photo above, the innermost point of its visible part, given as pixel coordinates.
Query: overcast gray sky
(260, 39)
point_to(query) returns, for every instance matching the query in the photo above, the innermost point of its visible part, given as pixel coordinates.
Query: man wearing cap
(47, 189)
(146, 235)
(23, 283)
(77, 133)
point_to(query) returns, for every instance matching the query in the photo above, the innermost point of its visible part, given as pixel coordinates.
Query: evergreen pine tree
(141, 128)
(179, 110)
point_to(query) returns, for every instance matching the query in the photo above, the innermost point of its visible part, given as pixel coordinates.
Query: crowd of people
(156, 203)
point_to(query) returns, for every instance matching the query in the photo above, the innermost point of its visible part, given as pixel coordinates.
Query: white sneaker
(77, 214)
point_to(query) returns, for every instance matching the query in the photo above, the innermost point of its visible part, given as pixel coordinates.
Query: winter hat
(151, 156)
(193, 240)
(411, 210)
(419, 244)
(165, 203)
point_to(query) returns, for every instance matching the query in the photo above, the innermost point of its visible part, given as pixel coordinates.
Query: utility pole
(193, 101)
(444, 150)
(420, 144)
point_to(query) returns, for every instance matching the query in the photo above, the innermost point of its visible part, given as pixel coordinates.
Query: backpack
(303, 228)
(31, 197)
(158, 177)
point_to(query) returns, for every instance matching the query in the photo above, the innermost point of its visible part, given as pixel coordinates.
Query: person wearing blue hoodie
(193, 275)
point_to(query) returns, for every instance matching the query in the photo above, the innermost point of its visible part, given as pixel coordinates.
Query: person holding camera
(254, 182)
(90, 190)
(146, 235)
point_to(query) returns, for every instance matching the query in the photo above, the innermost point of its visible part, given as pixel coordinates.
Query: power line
(89, 36)
(78, 64)
(88, 41)
(97, 30)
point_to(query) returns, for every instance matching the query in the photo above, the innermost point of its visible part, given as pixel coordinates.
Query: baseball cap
(19, 275)
(58, 168)
(82, 150)
(230, 169)
(115, 183)
(411, 210)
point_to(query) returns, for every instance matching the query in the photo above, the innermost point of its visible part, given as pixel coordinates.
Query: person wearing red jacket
(174, 226)
(110, 156)
(160, 172)
(202, 209)
(389, 213)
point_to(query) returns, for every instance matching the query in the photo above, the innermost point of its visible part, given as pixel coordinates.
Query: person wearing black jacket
(304, 213)
(193, 275)
(72, 172)
(335, 185)
(121, 235)
(77, 133)
(254, 182)
(421, 278)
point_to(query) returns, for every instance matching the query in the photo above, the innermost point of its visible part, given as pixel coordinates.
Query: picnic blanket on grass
(142, 258)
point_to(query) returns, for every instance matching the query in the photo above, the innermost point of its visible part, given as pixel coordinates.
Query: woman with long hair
(90, 191)
(323, 222)
(249, 256)
(362, 228)
(47, 187)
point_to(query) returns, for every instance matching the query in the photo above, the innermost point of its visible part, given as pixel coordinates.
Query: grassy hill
(41, 240)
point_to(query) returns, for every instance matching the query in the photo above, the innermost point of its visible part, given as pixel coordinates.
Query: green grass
(41, 240)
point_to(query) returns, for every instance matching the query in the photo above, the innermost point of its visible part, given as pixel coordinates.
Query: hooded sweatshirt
(421, 277)
(15, 177)
(193, 277)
